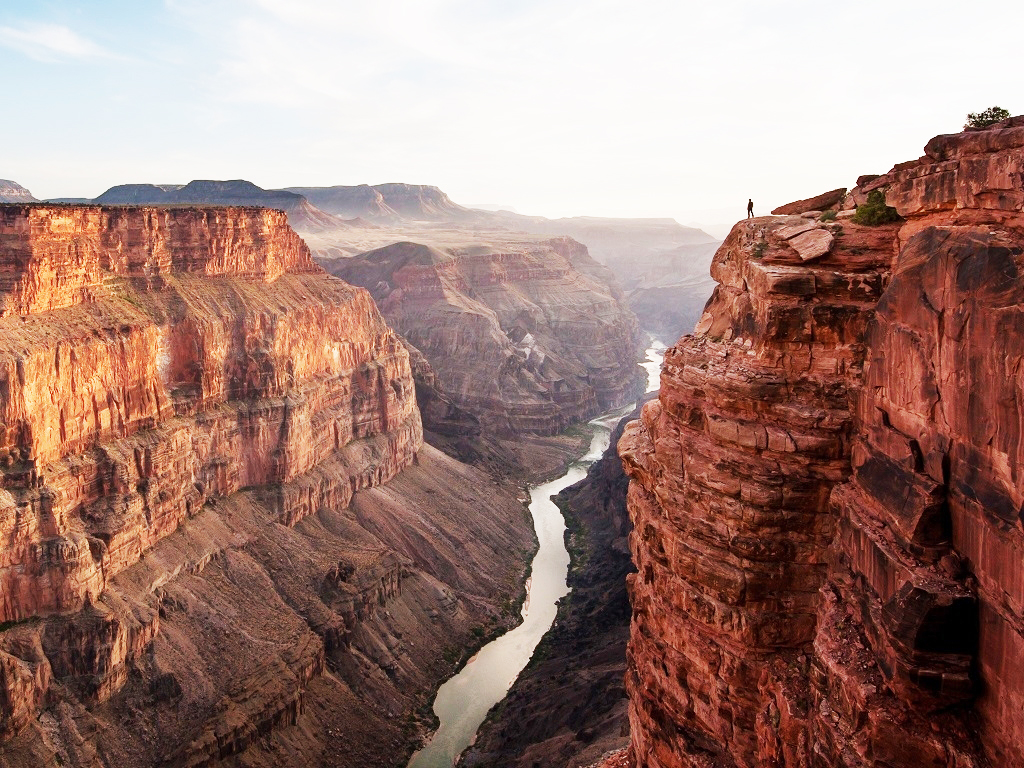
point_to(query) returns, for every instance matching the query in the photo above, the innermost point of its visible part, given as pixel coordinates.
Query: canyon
(661, 266)
(223, 536)
(826, 495)
(529, 338)
(568, 707)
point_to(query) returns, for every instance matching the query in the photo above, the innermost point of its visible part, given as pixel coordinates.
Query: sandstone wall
(181, 392)
(826, 497)
(529, 339)
(54, 254)
(122, 414)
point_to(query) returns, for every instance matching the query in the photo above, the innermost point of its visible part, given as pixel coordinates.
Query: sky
(556, 107)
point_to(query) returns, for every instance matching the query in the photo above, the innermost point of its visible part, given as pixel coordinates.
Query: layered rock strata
(529, 339)
(825, 498)
(237, 193)
(190, 407)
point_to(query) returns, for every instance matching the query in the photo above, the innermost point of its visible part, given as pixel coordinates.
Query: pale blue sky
(560, 107)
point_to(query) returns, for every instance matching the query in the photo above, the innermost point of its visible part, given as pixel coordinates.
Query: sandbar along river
(464, 700)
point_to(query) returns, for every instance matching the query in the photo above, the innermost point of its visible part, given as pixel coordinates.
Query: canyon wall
(197, 559)
(529, 339)
(826, 497)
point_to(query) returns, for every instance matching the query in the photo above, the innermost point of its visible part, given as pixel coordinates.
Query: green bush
(828, 216)
(875, 211)
(989, 116)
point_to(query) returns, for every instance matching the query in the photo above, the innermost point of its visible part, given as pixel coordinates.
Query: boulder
(821, 202)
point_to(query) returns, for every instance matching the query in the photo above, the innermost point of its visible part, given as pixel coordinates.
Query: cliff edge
(528, 338)
(826, 496)
(197, 557)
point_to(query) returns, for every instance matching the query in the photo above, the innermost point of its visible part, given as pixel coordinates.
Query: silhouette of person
(750, 208)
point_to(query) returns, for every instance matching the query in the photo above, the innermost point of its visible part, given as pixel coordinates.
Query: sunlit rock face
(152, 359)
(13, 192)
(826, 495)
(528, 339)
(195, 420)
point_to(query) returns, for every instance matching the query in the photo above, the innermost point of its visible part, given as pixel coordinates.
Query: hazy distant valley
(661, 265)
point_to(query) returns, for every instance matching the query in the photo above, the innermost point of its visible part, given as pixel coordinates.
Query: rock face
(301, 214)
(822, 202)
(196, 423)
(389, 202)
(13, 192)
(529, 339)
(826, 496)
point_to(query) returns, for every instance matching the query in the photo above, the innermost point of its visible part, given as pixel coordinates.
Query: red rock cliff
(529, 339)
(826, 497)
(196, 422)
(125, 406)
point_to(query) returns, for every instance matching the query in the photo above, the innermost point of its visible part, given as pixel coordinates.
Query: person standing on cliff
(750, 208)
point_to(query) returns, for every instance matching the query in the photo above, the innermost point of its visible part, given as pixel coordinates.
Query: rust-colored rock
(731, 470)
(56, 256)
(528, 339)
(196, 422)
(826, 497)
(822, 202)
(126, 407)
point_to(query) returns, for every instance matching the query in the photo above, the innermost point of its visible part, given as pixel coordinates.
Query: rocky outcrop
(301, 214)
(13, 192)
(823, 202)
(528, 339)
(731, 470)
(196, 425)
(825, 497)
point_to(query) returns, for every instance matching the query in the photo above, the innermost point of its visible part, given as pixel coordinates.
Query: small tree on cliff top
(874, 211)
(989, 116)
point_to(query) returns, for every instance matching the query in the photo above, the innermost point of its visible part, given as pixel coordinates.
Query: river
(464, 700)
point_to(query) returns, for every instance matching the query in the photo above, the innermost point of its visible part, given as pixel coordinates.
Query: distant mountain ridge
(301, 214)
(661, 264)
(13, 192)
(395, 202)
(389, 202)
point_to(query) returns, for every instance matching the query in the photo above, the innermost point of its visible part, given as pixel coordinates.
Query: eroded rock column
(732, 469)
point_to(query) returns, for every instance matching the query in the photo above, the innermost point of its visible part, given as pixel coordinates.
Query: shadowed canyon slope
(568, 707)
(529, 338)
(221, 535)
(826, 496)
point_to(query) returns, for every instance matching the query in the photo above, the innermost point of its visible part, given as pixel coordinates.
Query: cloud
(50, 43)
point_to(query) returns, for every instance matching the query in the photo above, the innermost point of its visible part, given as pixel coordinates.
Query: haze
(649, 108)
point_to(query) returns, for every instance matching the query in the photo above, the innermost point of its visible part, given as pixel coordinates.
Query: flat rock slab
(812, 244)
(820, 202)
(786, 233)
